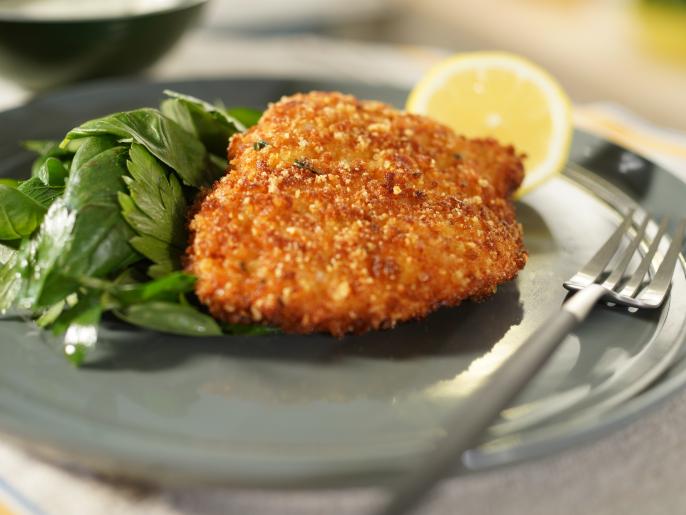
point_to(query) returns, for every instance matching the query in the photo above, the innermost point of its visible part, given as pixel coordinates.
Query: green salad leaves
(100, 226)
(155, 207)
(20, 214)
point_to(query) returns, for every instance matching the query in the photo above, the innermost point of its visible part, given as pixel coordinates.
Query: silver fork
(604, 277)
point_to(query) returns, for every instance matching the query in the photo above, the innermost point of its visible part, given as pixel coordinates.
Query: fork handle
(468, 424)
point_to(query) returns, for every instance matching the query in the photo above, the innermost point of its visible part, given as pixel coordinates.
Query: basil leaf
(163, 138)
(169, 317)
(245, 115)
(20, 215)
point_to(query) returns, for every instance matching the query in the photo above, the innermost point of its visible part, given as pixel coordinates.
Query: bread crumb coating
(343, 215)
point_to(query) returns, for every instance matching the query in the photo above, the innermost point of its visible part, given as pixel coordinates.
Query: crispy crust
(343, 215)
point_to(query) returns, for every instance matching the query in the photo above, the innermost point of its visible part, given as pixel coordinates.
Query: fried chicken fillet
(340, 215)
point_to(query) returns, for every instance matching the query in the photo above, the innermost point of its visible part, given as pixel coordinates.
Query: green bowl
(39, 53)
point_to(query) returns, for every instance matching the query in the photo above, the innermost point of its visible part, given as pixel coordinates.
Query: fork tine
(633, 284)
(657, 288)
(596, 265)
(620, 269)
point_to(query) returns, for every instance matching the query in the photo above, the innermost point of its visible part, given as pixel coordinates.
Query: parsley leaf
(83, 232)
(163, 137)
(156, 209)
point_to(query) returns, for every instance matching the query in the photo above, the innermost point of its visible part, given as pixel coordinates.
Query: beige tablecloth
(636, 470)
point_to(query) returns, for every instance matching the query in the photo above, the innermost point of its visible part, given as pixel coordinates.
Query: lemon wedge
(504, 96)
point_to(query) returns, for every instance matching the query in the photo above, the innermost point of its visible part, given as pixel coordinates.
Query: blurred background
(628, 52)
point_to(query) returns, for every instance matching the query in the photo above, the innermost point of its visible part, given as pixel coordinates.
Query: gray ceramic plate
(293, 410)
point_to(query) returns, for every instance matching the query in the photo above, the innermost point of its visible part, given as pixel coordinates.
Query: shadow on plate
(470, 328)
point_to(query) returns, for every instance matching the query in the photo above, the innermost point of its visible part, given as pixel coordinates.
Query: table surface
(597, 50)
(636, 470)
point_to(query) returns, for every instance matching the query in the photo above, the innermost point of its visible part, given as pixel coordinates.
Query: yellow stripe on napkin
(13, 503)
(5, 510)
(627, 135)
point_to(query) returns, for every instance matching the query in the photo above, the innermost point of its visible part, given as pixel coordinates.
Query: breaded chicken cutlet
(341, 215)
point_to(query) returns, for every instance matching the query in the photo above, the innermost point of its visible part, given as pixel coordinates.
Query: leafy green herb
(167, 288)
(89, 147)
(156, 209)
(20, 215)
(303, 164)
(248, 329)
(52, 172)
(6, 181)
(101, 224)
(42, 147)
(170, 317)
(7, 250)
(84, 232)
(245, 115)
(126, 290)
(161, 136)
(40, 192)
(10, 278)
(218, 114)
(79, 323)
(214, 134)
(163, 257)
(45, 150)
(37, 257)
(50, 315)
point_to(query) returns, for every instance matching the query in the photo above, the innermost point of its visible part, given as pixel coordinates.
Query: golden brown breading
(343, 215)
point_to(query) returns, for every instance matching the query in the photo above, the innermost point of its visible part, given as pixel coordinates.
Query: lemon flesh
(505, 97)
